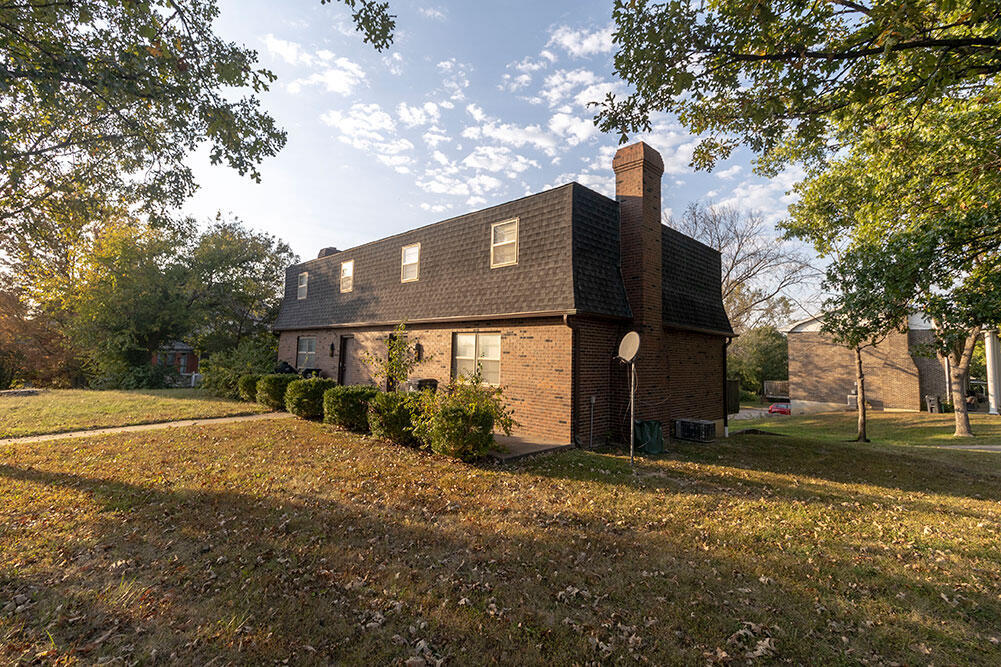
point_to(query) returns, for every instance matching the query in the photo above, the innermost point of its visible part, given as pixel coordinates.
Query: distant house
(179, 356)
(537, 292)
(898, 372)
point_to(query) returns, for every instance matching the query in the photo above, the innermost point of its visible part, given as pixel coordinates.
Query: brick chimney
(638, 169)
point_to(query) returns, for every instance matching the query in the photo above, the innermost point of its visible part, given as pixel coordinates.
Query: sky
(474, 104)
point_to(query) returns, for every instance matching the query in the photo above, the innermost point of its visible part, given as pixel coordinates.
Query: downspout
(726, 407)
(573, 380)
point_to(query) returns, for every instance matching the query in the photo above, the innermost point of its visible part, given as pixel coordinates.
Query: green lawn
(894, 428)
(59, 410)
(290, 541)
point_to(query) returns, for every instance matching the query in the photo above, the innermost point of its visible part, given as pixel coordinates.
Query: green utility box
(648, 436)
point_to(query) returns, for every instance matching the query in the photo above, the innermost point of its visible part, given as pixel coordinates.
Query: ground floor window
(306, 353)
(470, 350)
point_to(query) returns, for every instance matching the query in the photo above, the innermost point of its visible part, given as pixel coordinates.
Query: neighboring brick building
(179, 356)
(538, 291)
(898, 372)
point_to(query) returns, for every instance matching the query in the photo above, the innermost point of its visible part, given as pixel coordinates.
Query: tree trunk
(959, 363)
(860, 397)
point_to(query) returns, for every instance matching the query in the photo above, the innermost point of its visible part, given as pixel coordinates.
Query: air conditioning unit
(697, 430)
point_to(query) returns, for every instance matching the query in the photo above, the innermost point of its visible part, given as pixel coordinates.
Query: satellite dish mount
(628, 347)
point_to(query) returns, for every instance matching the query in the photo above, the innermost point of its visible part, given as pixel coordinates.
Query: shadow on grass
(288, 572)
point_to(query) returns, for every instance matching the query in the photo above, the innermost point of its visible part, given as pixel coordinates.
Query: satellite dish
(629, 346)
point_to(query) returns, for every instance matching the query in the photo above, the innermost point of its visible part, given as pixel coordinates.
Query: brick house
(898, 372)
(180, 356)
(538, 291)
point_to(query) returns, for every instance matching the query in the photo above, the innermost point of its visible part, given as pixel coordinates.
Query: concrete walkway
(142, 427)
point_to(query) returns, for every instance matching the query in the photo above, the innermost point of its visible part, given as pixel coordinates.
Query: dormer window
(410, 264)
(504, 243)
(347, 275)
(303, 285)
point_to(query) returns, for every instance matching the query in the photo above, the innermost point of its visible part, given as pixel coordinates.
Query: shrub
(247, 386)
(147, 376)
(271, 389)
(458, 420)
(391, 417)
(461, 431)
(222, 371)
(347, 406)
(304, 398)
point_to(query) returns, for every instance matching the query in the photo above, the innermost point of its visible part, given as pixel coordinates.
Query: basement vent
(696, 430)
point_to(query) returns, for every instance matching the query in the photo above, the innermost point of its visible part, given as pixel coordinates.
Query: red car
(779, 409)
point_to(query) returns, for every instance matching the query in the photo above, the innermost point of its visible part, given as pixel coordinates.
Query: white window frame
(351, 282)
(476, 352)
(515, 242)
(403, 264)
(298, 352)
(302, 285)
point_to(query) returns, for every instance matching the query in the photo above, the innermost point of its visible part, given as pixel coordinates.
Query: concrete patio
(512, 448)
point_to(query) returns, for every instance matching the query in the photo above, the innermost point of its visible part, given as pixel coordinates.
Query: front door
(342, 359)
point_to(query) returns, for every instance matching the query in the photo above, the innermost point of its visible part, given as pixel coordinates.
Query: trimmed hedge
(304, 398)
(347, 406)
(246, 386)
(271, 389)
(461, 431)
(391, 417)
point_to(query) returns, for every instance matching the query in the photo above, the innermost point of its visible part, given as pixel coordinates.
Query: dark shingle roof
(455, 275)
(568, 262)
(691, 273)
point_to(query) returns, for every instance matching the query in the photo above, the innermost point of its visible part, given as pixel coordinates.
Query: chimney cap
(636, 154)
(331, 250)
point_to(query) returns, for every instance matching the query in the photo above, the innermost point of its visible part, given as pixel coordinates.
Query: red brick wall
(694, 379)
(599, 375)
(535, 368)
(822, 371)
(638, 169)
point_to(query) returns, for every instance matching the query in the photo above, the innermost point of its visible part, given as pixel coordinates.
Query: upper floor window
(306, 352)
(303, 285)
(472, 350)
(504, 243)
(347, 275)
(410, 267)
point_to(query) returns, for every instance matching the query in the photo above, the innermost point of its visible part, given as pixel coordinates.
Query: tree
(757, 355)
(401, 359)
(112, 96)
(798, 79)
(131, 299)
(758, 270)
(859, 313)
(234, 285)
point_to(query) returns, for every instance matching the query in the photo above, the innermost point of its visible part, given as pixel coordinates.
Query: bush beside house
(391, 416)
(271, 389)
(347, 406)
(246, 386)
(304, 398)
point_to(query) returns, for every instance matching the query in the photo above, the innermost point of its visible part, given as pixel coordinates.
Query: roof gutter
(435, 320)
(711, 332)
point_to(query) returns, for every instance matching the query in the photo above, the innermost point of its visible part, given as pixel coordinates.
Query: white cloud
(393, 63)
(476, 201)
(342, 76)
(291, 52)
(441, 184)
(576, 130)
(434, 208)
(483, 183)
(434, 136)
(497, 159)
(513, 135)
(432, 13)
(561, 84)
(476, 112)
(528, 65)
(455, 78)
(731, 172)
(513, 83)
(579, 43)
(418, 115)
(367, 127)
(770, 197)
